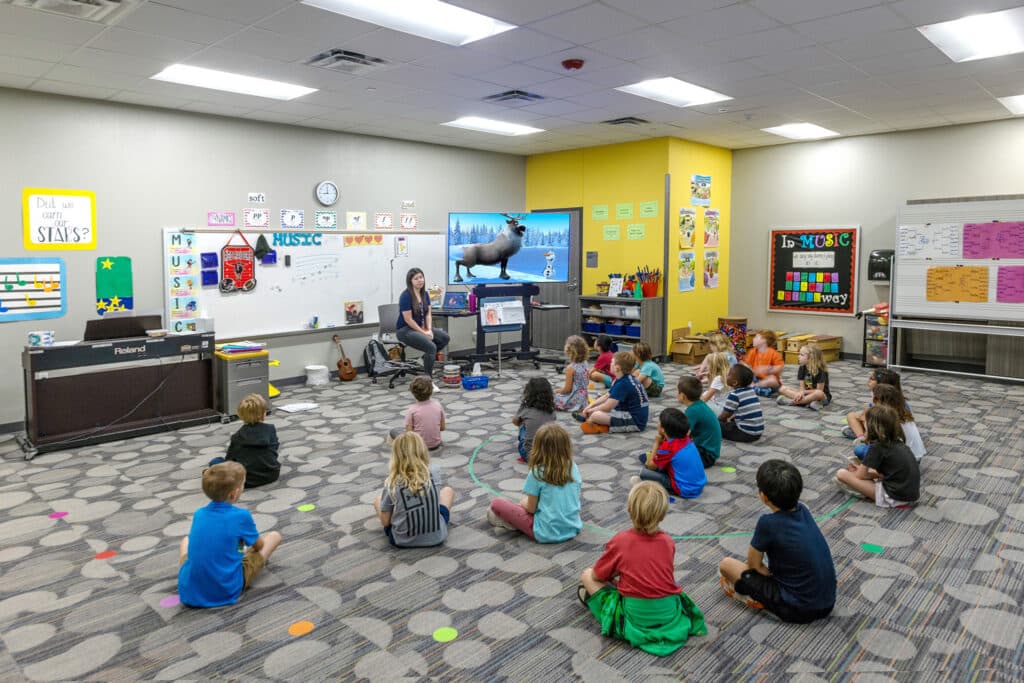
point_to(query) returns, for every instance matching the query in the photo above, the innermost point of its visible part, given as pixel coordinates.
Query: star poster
(114, 284)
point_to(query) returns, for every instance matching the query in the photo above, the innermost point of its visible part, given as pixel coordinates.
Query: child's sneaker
(634, 480)
(579, 417)
(642, 457)
(497, 521)
(784, 401)
(815, 405)
(522, 460)
(592, 428)
(848, 433)
(763, 391)
(730, 590)
(847, 488)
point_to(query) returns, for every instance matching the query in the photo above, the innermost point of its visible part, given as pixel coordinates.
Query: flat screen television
(495, 248)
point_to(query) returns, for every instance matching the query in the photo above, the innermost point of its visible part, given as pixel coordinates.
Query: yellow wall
(635, 172)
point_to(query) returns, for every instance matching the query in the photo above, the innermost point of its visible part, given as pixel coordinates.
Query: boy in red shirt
(632, 589)
(766, 362)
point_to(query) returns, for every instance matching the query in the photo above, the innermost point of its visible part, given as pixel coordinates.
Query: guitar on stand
(346, 373)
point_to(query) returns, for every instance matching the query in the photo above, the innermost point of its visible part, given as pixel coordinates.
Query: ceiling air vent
(103, 11)
(514, 96)
(626, 121)
(346, 61)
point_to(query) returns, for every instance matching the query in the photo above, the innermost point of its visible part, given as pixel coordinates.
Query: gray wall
(154, 168)
(856, 181)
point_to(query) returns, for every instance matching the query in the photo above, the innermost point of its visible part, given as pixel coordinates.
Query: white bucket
(317, 375)
(451, 375)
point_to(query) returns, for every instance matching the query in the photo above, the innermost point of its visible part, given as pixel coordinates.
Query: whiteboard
(942, 270)
(314, 276)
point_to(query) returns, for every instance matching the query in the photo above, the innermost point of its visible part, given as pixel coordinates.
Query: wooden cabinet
(625, 320)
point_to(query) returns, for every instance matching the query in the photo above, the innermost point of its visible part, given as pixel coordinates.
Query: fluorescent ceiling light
(801, 131)
(979, 36)
(425, 18)
(492, 126)
(224, 80)
(674, 91)
(1015, 104)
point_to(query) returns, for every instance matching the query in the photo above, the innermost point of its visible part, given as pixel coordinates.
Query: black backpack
(378, 364)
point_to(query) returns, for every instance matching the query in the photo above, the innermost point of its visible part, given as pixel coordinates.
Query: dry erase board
(814, 270)
(960, 260)
(310, 275)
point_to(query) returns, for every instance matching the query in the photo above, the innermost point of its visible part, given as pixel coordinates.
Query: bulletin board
(310, 276)
(814, 270)
(960, 261)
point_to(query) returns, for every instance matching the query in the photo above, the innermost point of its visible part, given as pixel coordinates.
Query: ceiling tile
(642, 43)
(522, 45)
(623, 74)
(13, 81)
(149, 99)
(724, 22)
(587, 24)
(170, 50)
(554, 107)
(33, 48)
(658, 11)
(103, 79)
(16, 66)
(519, 12)
(903, 61)
(320, 27)
(800, 58)
(278, 46)
(467, 60)
(517, 76)
(101, 60)
(592, 60)
(567, 87)
(167, 21)
(843, 26)
(393, 46)
(756, 44)
(72, 89)
(792, 11)
(217, 109)
(47, 26)
(239, 11)
(921, 12)
(823, 74)
(273, 117)
(868, 45)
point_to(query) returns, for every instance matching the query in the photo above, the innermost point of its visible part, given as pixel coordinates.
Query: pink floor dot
(57, 515)
(170, 601)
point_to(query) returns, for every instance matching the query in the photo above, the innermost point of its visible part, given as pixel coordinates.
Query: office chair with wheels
(393, 368)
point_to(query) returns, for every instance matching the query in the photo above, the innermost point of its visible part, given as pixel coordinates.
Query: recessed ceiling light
(425, 18)
(492, 126)
(1015, 104)
(674, 91)
(801, 131)
(979, 36)
(224, 80)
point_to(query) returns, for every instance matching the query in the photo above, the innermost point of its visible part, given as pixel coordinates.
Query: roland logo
(121, 350)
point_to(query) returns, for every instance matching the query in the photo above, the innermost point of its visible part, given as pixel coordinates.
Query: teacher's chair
(387, 333)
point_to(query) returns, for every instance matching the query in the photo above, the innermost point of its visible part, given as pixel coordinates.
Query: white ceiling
(855, 66)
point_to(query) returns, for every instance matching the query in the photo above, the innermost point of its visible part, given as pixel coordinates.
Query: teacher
(414, 320)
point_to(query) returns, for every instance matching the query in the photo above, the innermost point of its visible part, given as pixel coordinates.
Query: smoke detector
(572, 64)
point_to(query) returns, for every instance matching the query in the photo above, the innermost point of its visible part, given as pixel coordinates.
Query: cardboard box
(686, 348)
(829, 344)
(792, 358)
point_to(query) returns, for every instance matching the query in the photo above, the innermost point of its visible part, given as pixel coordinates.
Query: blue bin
(471, 382)
(633, 330)
(610, 328)
(593, 328)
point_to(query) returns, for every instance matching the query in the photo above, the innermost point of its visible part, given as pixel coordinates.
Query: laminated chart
(936, 240)
(809, 286)
(1010, 284)
(994, 240)
(957, 283)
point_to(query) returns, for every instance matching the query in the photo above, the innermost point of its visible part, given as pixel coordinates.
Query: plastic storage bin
(633, 330)
(593, 328)
(472, 382)
(611, 328)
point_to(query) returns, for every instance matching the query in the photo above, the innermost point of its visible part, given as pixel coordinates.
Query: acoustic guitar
(346, 373)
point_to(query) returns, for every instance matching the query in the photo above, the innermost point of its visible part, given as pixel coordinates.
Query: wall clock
(327, 193)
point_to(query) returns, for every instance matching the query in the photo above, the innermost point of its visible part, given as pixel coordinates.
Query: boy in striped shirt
(741, 416)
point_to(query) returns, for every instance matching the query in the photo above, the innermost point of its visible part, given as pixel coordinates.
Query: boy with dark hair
(624, 408)
(674, 461)
(741, 417)
(425, 417)
(799, 584)
(220, 568)
(705, 430)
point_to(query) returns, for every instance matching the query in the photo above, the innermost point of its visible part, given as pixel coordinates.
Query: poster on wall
(687, 271)
(700, 190)
(32, 289)
(710, 270)
(58, 219)
(687, 227)
(814, 270)
(711, 228)
(182, 272)
(114, 284)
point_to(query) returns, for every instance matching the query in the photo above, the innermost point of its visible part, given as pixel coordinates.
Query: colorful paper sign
(383, 220)
(710, 270)
(1010, 284)
(220, 219)
(183, 278)
(611, 233)
(648, 209)
(58, 219)
(326, 220)
(114, 284)
(599, 212)
(355, 220)
(624, 210)
(687, 271)
(711, 229)
(636, 231)
(408, 221)
(957, 283)
(687, 227)
(32, 289)
(700, 190)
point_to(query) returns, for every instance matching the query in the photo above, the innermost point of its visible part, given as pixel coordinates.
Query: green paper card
(114, 284)
(637, 231)
(624, 210)
(599, 212)
(648, 209)
(611, 232)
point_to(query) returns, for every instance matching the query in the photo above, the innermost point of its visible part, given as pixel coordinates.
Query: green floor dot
(306, 508)
(445, 634)
(871, 548)
(728, 469)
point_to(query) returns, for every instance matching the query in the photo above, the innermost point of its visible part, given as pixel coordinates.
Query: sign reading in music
(58, 219)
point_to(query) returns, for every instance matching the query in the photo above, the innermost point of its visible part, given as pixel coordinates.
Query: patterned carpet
(88, 555)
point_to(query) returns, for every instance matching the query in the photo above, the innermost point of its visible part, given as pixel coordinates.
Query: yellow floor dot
(445, 634)
(301, 628)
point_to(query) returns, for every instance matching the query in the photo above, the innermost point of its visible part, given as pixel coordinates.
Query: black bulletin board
(814, 270)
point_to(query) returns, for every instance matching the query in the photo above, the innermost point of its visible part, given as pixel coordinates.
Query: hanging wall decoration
(687, 227)
(711, 228)
(58, 219)
(114, 284)
(687, 270)
(238, 265)
(32, 289)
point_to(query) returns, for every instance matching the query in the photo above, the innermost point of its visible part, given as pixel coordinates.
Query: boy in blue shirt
(220, 568)
(705, 430)
(674, 462)
(798, 584)
(624, 408)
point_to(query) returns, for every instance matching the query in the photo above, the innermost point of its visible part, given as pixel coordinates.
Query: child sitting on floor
(889, 395)
(536, 410)
(766, 362)
(602, 366)
(705, 430)
(218, 568)
(741, 417)
(425, 417)
(414, 511)
(550, 510)
(718, 377)
(573, 396)
(812, 379)
(624, 408)
(632, 590)
(856, 424)
(648, 372)
(717, 343)
(254, 446)
(674, 461)
(798, 584)
(889, 474)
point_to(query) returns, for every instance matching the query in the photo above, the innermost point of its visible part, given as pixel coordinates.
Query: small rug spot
(871, 548)
(445, 634)
(301, 628)
(306, 508)
(728, 469)
(170, 601)
(57, 515)
(106, 554)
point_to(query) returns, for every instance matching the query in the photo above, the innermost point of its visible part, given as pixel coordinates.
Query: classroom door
(550, 328)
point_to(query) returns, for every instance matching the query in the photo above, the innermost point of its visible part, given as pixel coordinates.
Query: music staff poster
(32, 289)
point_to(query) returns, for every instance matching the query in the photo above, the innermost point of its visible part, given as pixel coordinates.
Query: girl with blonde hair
(717, 343)
(718, 371)
(573, 395)
(413, 507)
(812, 378)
